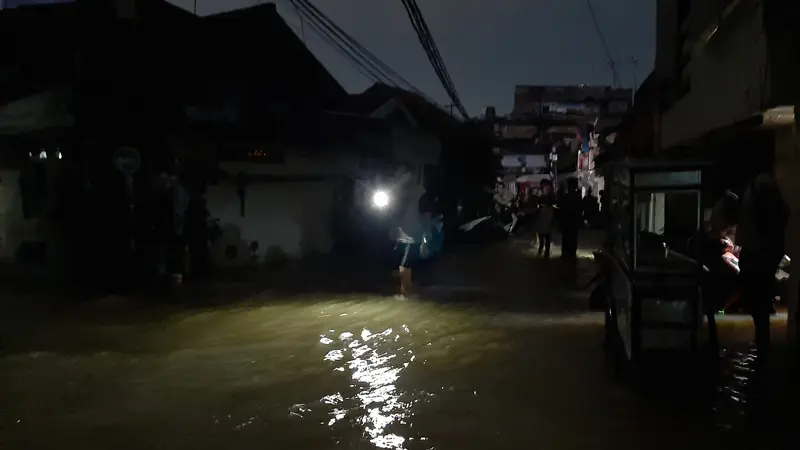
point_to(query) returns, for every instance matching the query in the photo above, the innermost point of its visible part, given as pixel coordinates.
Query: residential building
(292, 146)
(563, 122)
(267, 151)
(730, 70)
(66, 102)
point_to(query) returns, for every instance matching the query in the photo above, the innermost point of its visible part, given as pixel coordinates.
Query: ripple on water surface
(350, 371)
(373, 361)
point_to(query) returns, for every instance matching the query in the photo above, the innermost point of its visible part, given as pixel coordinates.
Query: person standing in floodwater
(571, 218)
(409, 233)
(719, 282)
(760, 234)
(591, 209)
(544, 218)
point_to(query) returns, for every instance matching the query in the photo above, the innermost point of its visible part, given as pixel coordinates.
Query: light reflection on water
(361, 374)
(375, 363)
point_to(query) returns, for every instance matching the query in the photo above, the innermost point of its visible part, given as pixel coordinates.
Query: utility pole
(195, 8)
(450, 107)
(615, 64)
(614, 77)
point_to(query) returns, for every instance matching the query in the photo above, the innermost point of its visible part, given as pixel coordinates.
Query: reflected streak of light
(334, 355)
(333, 399)
(375, 374)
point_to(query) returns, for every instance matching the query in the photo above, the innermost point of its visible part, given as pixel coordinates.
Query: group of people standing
(570, 211)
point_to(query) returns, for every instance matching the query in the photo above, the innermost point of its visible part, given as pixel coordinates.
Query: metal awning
(781, 116)
(769, 119)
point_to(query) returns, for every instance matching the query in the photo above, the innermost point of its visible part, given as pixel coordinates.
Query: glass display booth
(651, 258)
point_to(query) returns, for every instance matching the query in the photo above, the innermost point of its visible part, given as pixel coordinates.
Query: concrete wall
(292, 216)
(787, 169)
(728, 81)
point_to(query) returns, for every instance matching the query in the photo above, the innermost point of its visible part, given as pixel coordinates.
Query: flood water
(333, 371)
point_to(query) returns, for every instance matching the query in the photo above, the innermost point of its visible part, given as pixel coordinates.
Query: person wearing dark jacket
(571, 218)
(591, 208)
(760, 234)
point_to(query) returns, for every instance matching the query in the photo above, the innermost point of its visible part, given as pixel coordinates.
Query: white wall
(728, 82)
(414, 147)
(787, 167)
(290, 215)
(295, 215)
(300, 164)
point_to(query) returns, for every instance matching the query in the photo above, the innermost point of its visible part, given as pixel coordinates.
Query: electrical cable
(432, 51)
(414, 17)
(603, 42)
(336, 46)
(437, 58)
(431, 43)
(366, 54)
(328, 33)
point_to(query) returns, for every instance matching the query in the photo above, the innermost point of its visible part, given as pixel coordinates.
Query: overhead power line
(357, 65)
(364, 60)
(434, 56)
(609, 58)
(396, 77)
(431, 44)
(322, 26)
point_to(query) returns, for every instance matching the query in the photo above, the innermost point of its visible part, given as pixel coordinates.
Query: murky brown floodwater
(344, 373)
(349, 372)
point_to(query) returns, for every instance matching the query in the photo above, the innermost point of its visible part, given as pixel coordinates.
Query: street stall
(650, 260)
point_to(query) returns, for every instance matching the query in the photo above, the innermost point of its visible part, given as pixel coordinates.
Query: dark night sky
(487, 45)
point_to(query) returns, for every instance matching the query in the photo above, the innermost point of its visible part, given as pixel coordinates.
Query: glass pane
(682, 220)
(666, 220)
(650, 228)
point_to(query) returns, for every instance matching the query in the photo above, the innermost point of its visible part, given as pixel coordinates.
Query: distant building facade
(564, 123)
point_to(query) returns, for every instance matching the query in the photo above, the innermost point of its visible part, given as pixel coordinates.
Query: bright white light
(43, 155)
(380, 199)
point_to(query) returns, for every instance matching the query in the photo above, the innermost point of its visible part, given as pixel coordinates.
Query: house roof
(247, 44)
(45, 65)
(315, 132)
(427, 114)
(34, 64)
(266, 48)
